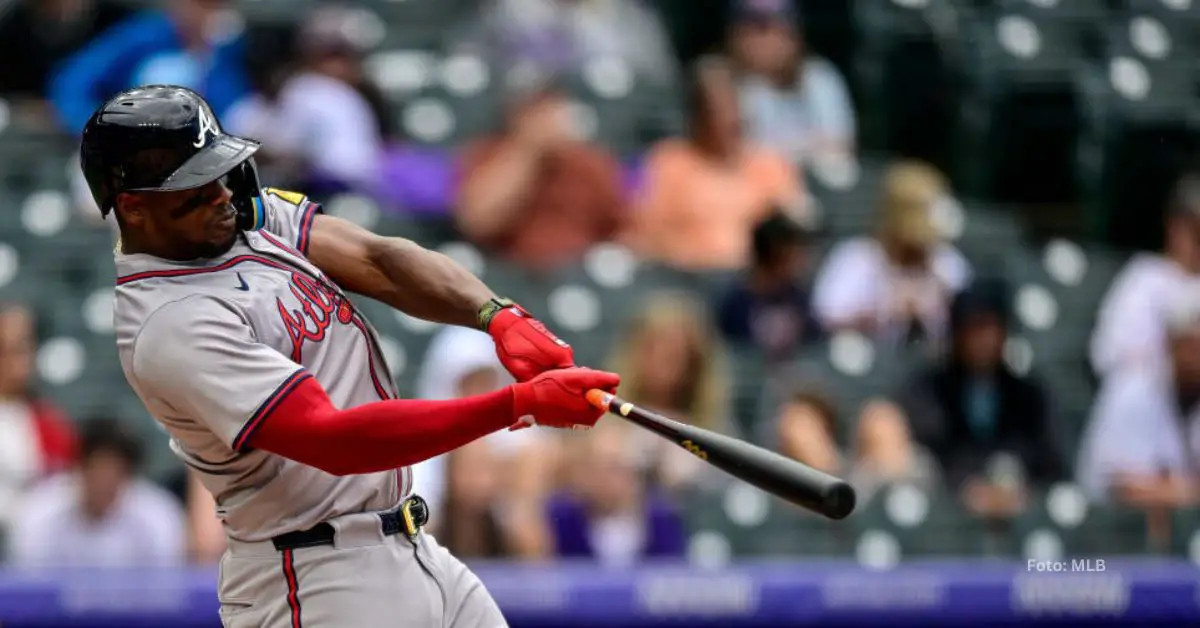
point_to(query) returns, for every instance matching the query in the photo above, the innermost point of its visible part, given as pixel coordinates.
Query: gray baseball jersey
(212, 345)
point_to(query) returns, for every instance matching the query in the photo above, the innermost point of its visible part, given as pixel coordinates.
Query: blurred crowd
(719, 189)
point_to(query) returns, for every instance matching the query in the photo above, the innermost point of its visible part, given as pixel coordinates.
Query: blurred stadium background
(899, 267)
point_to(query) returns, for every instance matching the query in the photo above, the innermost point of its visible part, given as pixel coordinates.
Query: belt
(408, 518)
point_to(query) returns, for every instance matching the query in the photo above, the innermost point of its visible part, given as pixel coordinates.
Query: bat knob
(840, 500)
(599, 399)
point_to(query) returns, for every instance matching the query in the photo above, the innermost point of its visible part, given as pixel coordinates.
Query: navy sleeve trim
(267, 407)
(306, 223)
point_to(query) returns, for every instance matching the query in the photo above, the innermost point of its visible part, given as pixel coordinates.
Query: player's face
(199, 223)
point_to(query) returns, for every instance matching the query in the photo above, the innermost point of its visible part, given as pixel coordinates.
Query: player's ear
(130, 209)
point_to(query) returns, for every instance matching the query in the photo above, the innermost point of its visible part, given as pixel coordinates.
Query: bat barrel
(840, 500)
(769, 471)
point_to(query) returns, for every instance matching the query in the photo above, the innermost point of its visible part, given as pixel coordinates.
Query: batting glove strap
(491, 309)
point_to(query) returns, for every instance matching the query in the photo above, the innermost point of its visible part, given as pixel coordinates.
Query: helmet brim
(216, 160)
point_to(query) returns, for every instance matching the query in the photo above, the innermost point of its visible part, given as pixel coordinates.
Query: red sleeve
(57, 437)
(303, 425)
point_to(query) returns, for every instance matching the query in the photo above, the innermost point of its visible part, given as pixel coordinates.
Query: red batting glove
(557, 398)
(524, 345)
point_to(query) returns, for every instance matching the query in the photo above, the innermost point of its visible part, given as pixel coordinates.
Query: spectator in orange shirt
(703, 194)
(535, 194)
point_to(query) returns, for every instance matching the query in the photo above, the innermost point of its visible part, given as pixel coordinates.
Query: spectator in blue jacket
(768, 307)
(193, 43)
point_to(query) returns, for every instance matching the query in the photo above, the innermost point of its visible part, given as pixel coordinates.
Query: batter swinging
(234, 330)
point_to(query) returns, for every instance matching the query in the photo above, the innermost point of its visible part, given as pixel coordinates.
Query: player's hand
(557, 398)
(524, 345)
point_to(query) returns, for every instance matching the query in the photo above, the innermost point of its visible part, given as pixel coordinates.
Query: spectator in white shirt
(795, 103)
(1130, 328)
(103, 515)
(316, 124)
(896, 285)
(1142, 443)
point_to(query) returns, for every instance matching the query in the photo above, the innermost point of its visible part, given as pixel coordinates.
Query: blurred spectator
(611, 515)
(102, 516)
(704, 194)
(470, 524)
(1142, 442)
(317, 127)
(193, 43)
(518, 465)
(1130, 328)
(565, 35)
(36, 440)
(206, 539)
(41, 33)
(768, 307)
(898, 284)
(976, 415)
(671, 361)
(794, 103)
(883, 452)
(535, 194)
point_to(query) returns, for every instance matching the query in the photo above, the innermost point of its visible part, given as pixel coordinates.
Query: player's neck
(130, 244)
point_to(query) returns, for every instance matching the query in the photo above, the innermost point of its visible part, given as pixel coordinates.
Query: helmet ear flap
(243, 183)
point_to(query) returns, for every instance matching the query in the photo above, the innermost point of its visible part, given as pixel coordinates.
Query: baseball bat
(781, 476)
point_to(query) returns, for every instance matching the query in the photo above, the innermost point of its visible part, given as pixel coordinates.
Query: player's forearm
(379, 436)
(427, 284)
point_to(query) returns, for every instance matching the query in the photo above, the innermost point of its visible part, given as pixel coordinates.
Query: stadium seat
(852, 371)
(1185, 534)
(1185, 15)
(437, 117)
(792, 531)
(1062, 523)
(904, 522)
(754, 394)
(275, 11)
(848, 193)
(989, 235)
(1146, 93)
(757, 525)
(418, 23)
(1054, 312)
(1025, 68)
(907, 70)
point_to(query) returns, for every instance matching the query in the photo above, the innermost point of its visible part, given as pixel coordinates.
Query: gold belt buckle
(410, 524)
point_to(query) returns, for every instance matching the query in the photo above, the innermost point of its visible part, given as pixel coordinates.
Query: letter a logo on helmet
(208, 127)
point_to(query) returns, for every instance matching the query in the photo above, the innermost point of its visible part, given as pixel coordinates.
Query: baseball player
(234, 330)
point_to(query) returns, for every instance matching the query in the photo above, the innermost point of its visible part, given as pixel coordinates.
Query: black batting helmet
(162, 138)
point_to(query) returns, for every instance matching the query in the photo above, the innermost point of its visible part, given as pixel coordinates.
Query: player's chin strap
(242, 181)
